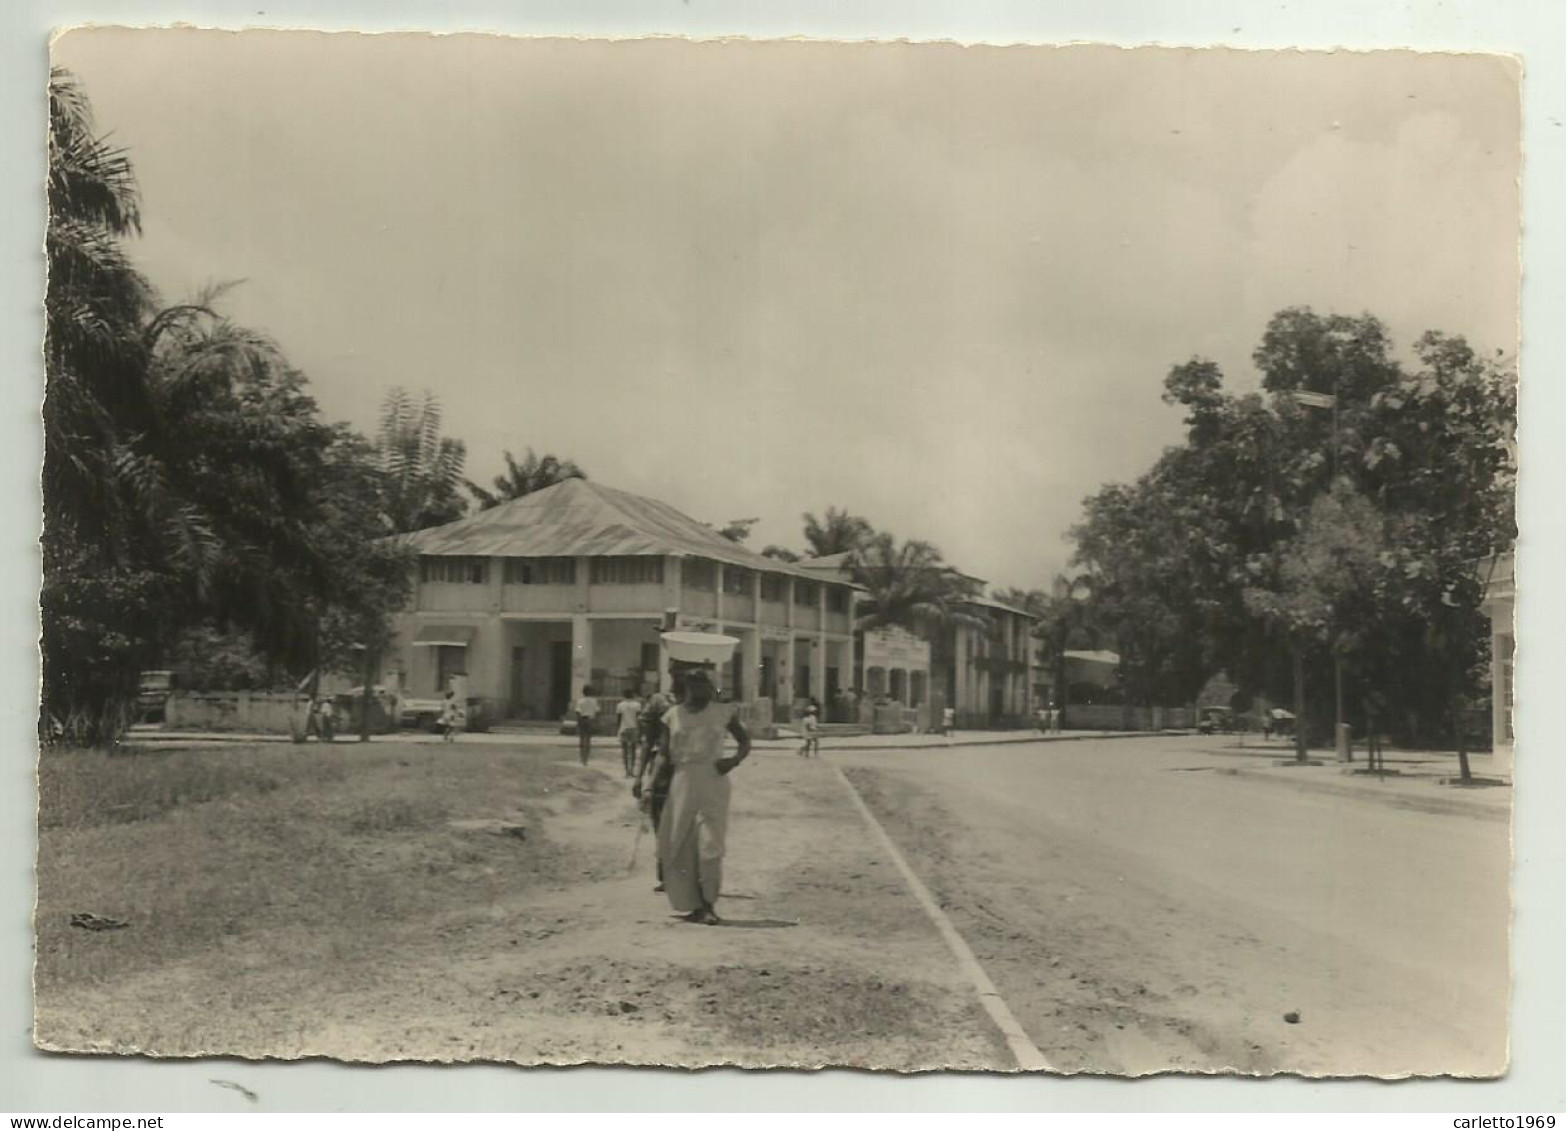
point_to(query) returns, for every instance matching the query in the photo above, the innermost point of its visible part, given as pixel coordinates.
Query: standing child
(811, 725)
(325, 720)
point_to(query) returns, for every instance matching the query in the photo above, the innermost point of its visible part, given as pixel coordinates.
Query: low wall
(1104, 716)
(262, 712)
(255, 711)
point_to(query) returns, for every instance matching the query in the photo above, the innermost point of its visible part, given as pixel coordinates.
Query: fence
(264, 712)
(1104, 716)
(255, 711)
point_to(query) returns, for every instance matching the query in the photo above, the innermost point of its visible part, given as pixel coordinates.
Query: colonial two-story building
(981, 666)
(571, 586)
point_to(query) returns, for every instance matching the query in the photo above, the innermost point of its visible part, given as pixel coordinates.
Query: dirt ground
(424, 903)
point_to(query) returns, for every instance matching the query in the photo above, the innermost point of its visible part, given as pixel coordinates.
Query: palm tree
(99, 602)
(533, 473)
(837, 532)
(95, 304)
(421, 468)
(910, 585)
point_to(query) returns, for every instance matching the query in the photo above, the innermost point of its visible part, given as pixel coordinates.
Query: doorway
(516, 707)
(559, 678)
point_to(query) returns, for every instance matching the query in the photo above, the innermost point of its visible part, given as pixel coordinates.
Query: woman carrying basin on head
(693, 831)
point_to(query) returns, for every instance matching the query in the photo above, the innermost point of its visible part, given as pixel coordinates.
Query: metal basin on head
(699, 647)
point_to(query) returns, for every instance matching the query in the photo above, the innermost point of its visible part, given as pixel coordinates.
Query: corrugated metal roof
(992, 603)
(581, 517)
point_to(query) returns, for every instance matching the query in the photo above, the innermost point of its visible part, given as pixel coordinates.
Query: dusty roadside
(546, 948)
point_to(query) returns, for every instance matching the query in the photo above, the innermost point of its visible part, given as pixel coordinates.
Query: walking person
(654, 757)
(810, 725)
(694, 824)
(325, 720)
(628, 712)
(586, 712)
(451, 717)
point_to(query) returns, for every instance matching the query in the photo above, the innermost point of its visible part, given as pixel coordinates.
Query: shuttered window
(454, 571)
(627, 571)
(540, 571)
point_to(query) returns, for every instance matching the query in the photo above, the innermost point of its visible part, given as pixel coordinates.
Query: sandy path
(826, 960)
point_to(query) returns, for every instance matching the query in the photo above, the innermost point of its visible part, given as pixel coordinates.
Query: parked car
(153, 694)
(424, 713)
(1216, 720)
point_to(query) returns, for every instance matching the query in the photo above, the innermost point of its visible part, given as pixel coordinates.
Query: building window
(454, 571)
(699, 573)
(837, 599)
(771, 587)
(805, 593)
(627, 571)
(540, 571)
(736, 580)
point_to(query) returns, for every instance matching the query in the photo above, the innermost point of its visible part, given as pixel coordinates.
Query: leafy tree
(532, 473)
(779, 553)
(1214, 559)
(1065, 622)
(422, 469)
(211, 659)
(836, 532)
(1330, 579)
(188, 479)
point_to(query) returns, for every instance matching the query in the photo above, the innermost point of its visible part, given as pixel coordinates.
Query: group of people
(1046, 720)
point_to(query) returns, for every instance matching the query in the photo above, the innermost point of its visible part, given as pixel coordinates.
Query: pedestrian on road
(653, 767)
(811, 726)
(694, 826)
(325, 721)
(451, 717)
(628, 711)
(948, 720)
(586, 712)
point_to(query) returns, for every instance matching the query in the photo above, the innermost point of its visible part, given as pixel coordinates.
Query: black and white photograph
(778, 553)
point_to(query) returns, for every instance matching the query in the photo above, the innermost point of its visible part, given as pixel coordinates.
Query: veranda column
(785, 704)
(581, 652)
(672, 595)
(959, 668)
(818, 662)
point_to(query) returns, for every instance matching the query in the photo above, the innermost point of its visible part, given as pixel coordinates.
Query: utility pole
(364, 692)
(1318, 400)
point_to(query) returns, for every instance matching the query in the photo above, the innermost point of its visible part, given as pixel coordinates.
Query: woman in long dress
(695, 821)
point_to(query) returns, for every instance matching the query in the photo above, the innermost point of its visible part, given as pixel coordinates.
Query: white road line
(1029, 1058)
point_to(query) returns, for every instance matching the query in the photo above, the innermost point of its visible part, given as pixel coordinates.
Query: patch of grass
(396, 814)
(86, 788)
(258, 855)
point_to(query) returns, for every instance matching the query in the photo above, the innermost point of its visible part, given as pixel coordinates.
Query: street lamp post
(1330, 400)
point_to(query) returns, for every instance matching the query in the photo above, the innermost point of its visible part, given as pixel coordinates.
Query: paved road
(1141, 910)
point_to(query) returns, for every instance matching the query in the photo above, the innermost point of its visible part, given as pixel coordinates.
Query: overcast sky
(939, 286)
